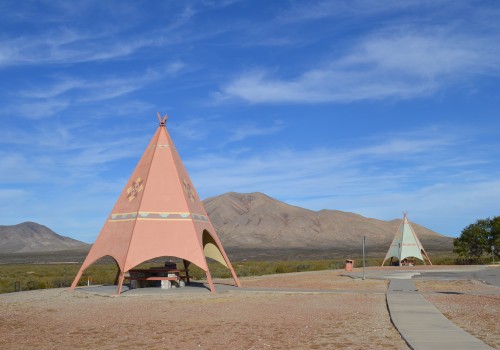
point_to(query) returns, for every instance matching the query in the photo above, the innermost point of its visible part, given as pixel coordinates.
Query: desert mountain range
(254, 225)
(30, 237)
(255, 221)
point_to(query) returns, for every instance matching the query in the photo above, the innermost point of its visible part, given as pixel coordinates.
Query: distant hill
(30, 237)
(255, 221)
(250, 226)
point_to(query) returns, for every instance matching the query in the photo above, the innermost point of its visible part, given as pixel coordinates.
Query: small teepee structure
(158, 214)
(406, 244)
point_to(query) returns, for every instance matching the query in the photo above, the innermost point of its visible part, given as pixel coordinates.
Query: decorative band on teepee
(157, 216)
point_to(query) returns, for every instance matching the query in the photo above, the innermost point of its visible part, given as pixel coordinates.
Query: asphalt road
(490, 275)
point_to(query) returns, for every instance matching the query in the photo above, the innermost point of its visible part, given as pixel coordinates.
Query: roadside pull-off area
(306, 310)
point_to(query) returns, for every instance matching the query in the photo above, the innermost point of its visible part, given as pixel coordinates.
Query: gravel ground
(354, 318)
(58, 319)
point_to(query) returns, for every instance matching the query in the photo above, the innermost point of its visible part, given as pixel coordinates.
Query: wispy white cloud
(398, 65)
(62, 37)
(220, 3)
(427, 53)
(306, 169)
(445, 207)
(427, 173)
(65, 46)
(104, 153)
(65, 153)
(92, 89)
(405, 146)
(51, 98)
(196, 129)
(315, 10)
(244, 131)
(17, 168)
(192, 128)
(396, 58)
(37, 109)
(175, 67)
(60, 87)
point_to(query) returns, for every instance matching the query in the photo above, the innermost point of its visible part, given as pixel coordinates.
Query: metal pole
(364, 238)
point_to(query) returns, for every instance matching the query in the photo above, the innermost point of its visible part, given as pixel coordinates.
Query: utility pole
(364, 239)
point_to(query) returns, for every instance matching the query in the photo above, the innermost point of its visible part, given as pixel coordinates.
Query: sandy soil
(354, 318)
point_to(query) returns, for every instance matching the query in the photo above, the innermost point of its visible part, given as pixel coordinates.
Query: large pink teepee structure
(158, 214)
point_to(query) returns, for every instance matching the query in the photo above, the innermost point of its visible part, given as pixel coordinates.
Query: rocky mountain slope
(30, 237)
(252, 226)
(256, 221)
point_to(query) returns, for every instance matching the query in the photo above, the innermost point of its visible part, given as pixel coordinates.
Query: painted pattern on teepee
(406, 244)
(158, 214)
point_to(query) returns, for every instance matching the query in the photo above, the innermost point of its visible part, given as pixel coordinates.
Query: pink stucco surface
(157, 214)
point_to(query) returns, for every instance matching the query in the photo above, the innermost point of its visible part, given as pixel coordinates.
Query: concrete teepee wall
(158, 214)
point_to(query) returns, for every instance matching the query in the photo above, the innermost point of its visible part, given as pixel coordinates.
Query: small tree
(461, 248)
(478, 238)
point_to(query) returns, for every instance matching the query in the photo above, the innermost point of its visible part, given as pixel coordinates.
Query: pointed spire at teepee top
(163, 120)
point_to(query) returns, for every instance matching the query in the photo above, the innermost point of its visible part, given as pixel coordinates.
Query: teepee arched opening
(99, 271)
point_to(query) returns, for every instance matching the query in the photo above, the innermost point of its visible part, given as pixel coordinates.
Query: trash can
(349, 264)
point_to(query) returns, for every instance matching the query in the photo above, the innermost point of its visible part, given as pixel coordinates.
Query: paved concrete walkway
(421, 325)
(192, 288)
(203, 288)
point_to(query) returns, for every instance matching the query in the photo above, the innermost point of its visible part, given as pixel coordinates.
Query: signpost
(364, 239)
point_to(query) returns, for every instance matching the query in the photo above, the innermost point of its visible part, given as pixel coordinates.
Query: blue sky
(372, 108)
